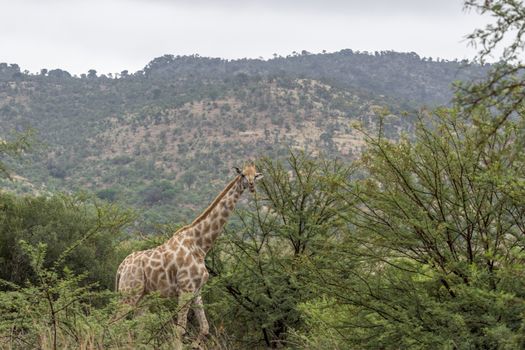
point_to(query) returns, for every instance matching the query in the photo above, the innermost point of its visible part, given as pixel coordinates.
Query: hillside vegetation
(164, 139)
(374, 227)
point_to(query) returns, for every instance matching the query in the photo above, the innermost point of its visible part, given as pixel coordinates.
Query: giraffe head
(249, 176)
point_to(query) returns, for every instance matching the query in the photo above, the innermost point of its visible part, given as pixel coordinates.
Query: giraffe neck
(207, 227)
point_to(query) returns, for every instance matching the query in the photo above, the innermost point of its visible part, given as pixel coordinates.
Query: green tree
(258, 264)
(13, 148)
(93, 229)
(434, 252)
(59, 309)
(434, 256)
(504, 89)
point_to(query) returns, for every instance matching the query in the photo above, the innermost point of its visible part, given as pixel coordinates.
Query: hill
(164, 139)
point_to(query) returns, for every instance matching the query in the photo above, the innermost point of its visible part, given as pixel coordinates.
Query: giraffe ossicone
(176, 268)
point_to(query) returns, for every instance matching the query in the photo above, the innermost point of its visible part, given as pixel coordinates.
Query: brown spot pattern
(178, 265)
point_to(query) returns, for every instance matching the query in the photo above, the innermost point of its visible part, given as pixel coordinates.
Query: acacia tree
(504, 89)
(258, 265)
(436, 235)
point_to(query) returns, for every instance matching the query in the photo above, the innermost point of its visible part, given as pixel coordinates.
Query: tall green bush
(257, 267)
(436, 241)
(81, 231)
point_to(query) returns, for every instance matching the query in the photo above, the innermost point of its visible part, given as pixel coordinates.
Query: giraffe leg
(198, 308)
(184, 303)
(131, 295)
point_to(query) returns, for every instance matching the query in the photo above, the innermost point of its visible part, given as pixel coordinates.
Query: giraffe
(176, 268)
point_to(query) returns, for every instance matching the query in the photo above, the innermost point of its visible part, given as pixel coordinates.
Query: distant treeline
(397, 75)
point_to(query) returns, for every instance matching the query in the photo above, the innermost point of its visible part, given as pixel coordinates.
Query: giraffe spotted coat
(176, 268)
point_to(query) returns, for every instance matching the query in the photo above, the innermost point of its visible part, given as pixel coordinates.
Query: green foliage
(55, 299)
(434, 255)
(156, 192)
(258, 265)
(59, 310)
(13, 148)
(436, 241)
(64, 251)
(62, 223)
(504, 89)
(509, 25)
(108, 194)
(179, 117)
(420, 248)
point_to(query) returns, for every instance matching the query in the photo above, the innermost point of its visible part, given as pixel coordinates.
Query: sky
(115, 35)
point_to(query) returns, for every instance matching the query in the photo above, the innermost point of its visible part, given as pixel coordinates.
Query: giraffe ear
(237, 170)
(258, 176)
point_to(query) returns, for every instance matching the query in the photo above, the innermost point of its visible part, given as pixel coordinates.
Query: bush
(60, 311)
(108, 194)
(61, 222)
(258, 266)
(158, 192)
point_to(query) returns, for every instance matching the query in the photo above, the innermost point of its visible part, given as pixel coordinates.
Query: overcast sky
(113, 35)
